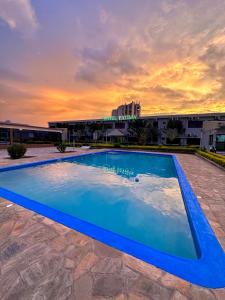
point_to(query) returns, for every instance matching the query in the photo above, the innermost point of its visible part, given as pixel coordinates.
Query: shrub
(116, 145)
(161, 148)
(16, 151)
(216, 158)
(102, 145)
(61, 148)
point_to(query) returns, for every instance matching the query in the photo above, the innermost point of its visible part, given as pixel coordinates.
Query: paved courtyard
(41, 259)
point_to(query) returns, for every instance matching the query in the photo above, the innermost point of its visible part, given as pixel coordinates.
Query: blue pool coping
(208, 270)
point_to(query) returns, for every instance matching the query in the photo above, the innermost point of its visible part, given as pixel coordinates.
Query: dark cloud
(167, 92)
(10, 75)
(108, 64)
(214, 59)
(213, 54)
(12, 93)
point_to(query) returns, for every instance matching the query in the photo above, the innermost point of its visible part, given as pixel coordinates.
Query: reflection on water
(131, 165)
(119, 171)
(102, 189)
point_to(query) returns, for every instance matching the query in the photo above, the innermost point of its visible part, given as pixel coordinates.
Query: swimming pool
(140, 203)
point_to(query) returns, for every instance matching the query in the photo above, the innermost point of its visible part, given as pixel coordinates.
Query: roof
(159, 116)
(114, 132)
(28, 127)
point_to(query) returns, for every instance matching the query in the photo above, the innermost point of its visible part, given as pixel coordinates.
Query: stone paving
(35, 154)
(41, 259)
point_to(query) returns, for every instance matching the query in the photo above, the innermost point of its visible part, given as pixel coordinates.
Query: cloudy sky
(77, 59)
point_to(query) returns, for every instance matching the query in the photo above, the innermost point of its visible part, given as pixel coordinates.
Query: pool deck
(41, 259)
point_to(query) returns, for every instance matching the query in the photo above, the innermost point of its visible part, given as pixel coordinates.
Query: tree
(175, 124)
(78, 131)
(95, 126)
(153, 132)
(144, 131)
(139, 128)
(172, 134)
(174, 128)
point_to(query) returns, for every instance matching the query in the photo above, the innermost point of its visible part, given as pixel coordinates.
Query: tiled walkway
(41, 259)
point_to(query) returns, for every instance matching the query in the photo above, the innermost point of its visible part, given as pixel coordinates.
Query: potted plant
(61, 147)
(16, 151)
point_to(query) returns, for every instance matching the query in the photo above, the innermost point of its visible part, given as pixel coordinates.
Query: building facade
(184, 129)
(22, 133)
(213, 135)
(131, 109)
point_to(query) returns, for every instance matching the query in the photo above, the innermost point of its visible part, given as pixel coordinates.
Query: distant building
(23, 133)
(131, 109)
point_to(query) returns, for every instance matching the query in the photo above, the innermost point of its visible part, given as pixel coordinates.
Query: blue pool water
(135, 195)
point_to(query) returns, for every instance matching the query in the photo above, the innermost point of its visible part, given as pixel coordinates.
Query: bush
(61, 148)
(101, 145)
(16, 151)
(175, 149)
(160, 148)
(116, 145)
(216, 158)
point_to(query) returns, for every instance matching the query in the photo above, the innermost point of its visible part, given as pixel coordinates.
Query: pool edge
(210, 262)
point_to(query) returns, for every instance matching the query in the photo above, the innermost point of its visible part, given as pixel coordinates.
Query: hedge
(216, 158)
(38, 142)
(93, 145)
(178, 149)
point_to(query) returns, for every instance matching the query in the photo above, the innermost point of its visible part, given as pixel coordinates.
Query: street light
(20, 130)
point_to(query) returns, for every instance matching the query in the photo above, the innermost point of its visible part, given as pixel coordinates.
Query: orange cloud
(170, 58)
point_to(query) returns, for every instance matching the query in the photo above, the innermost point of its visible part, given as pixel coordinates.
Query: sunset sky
(78, 59)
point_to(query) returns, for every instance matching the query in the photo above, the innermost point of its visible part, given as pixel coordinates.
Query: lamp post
(20, 130)
(11, 136)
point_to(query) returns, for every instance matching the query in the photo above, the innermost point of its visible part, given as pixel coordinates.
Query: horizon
(80, 60)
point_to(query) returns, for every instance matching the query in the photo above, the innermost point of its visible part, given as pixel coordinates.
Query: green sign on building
(120, 118)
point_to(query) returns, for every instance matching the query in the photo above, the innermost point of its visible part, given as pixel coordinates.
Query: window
(30, 134)
(193, 141)
(220, 142)
(211, 139)
(120, 125)
(220, 138)
(4, 134)
(195, 124)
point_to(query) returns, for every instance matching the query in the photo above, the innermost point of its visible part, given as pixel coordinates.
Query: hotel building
(131, 109)
(195, 129)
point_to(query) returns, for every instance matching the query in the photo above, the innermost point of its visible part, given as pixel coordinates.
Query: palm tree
(172, 134)
(144, 131)
(174, 128)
